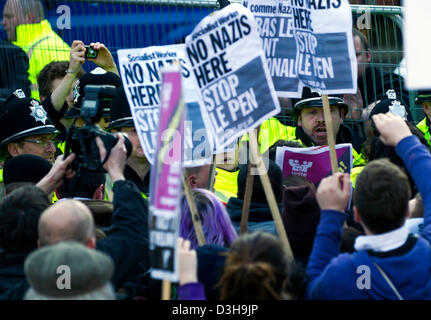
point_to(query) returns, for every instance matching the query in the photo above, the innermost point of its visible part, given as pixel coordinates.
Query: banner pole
(330, 133)
(211, 178)
(263, 174)
(194, 212)
(247, 196)
(166, 290)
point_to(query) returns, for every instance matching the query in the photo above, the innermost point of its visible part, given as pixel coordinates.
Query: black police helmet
(96, 77)
(311, 99)
(120, 114)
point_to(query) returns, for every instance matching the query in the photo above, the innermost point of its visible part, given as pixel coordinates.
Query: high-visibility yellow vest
(423, 126)
(42, 46)
(226, 184)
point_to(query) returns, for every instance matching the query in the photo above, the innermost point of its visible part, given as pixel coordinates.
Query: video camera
(82, 141)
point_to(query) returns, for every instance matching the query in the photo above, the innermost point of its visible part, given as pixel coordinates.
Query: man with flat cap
(424, 99)
(311, 129)
(69, 270)
(137, 168)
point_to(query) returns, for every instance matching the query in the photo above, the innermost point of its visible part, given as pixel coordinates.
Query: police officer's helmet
(96, 77)
(21, 117)
(312, 98)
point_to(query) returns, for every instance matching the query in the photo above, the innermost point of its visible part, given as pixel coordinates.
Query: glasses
(42, 143)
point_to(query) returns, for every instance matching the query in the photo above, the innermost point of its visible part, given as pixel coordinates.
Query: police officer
(25, 128)
(137, 167)
(424, 99)
(310, 129)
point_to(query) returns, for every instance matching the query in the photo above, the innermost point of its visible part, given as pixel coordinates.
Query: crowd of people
(94, 224)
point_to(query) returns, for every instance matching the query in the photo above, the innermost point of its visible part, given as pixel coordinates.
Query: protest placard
(415, 14)
(228, 65)
(307, 43)
(313, 163)
(140, 72)
(166, 178)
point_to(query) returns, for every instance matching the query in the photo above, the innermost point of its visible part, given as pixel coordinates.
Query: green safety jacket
(226, 184)
(42, 46)
(424, 126)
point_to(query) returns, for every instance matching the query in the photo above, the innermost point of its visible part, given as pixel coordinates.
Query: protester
(216, 224)
(89, 273)
(380, 205)
(256, 268)
(260, 217)
(25, 25)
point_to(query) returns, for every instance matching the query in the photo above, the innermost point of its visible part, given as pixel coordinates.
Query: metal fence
(140, 23)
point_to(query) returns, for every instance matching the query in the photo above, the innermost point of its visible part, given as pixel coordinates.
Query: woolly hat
(25, 168)
(301, 216)
(258, 194)
(88, 269)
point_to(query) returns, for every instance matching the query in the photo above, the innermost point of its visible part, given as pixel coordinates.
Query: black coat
(14, 70)
(126, 243)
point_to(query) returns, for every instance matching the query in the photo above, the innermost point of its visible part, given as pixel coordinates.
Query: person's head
(50, 77)
(256, 268)
(228, 160)
(424, 99)
(90, 185)
(216, 223)
(258, 194)
(380, 198)
(374, 149)
(19, 215)
(308, 114)
(24, 169)
(363, 55)
(67, 220)
(97, 77)
(25, 128)
(199, 176)
(85, 273)
(18, 12)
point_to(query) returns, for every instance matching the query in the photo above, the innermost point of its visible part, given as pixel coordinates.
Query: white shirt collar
(383, 242)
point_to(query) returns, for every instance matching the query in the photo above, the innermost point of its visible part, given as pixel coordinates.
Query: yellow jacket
(42, 46)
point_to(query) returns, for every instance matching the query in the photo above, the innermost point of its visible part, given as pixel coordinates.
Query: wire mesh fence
(123, 24)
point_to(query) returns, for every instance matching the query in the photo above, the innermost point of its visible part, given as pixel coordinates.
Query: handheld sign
(166, 179)
(307, 43)
(415, 14)
(313, 163)
(228, 65)
(140, 73)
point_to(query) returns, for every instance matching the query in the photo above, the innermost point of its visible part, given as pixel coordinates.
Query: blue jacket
(335, 276)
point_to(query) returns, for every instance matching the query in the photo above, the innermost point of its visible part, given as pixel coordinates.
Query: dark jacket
(260, 217)
(126, 243)
(374, 84)
(142, 184)
(14, 70)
